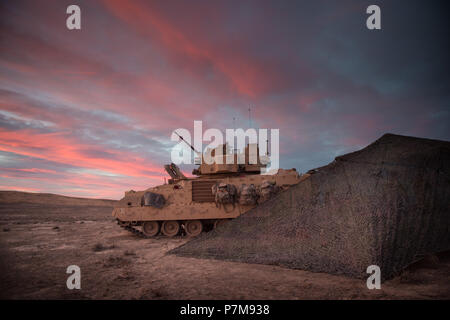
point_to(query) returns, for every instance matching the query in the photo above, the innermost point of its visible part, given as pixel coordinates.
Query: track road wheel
(193, 227)
(219, 223)
(170, 228)
(150, 228)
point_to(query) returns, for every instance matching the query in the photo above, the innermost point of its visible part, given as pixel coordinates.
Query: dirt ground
(38, 242)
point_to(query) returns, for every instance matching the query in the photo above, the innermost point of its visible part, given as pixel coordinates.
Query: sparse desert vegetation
(116, 264)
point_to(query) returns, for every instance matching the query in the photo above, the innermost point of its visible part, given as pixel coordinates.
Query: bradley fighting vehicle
(221, 191)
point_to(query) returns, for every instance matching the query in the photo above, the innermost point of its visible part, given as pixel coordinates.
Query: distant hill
(49, 198)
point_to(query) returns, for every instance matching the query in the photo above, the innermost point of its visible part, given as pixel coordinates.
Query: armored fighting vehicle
(218, 192)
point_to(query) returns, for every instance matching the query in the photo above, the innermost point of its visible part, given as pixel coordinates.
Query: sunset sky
(90, 112)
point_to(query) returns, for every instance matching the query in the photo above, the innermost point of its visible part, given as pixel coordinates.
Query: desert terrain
(42, 234)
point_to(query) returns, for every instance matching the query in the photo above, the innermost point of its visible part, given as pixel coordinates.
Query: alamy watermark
(74, 280)
(259, 147)
(374, 280)
(373, 22)
(73, 21)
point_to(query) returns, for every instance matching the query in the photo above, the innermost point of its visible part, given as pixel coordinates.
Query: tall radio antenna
(234, 128)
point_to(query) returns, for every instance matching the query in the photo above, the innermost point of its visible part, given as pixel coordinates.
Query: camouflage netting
(387, 204)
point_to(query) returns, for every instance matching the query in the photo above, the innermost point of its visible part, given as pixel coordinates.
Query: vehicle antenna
(198, 153)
